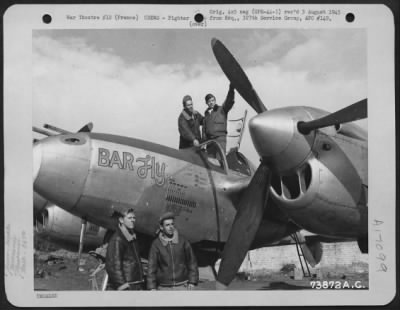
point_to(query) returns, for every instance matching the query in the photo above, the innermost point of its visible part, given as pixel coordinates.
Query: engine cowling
(327, 186)
(64, 228)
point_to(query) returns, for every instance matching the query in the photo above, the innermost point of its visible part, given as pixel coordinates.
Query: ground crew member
(172, 264)
(216, 118)
(123, 264)
(189, 123)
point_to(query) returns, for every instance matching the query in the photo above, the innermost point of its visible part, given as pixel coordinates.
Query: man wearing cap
(123, 264)
(172, 264)
(216, 117)
(189, 123)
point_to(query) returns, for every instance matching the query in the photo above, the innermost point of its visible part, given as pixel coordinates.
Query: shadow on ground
(283, 286)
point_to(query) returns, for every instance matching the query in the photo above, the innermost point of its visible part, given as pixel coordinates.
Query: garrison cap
(186, 98)
(166, 216)
(209, 96)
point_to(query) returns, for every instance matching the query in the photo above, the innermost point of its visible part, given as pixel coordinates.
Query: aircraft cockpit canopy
(217, 160)
(213, 153)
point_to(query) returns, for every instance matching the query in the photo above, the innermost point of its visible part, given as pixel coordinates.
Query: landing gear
(81, 240)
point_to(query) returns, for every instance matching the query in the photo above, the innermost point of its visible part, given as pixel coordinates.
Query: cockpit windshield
(217, 160)
(214, 155)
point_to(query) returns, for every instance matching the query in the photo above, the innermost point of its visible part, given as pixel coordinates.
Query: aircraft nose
(61, 165)
(276, 139)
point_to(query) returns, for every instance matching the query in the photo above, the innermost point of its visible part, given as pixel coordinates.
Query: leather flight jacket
(189, 128)
(216, 119)
(123, 264)
(171, 263)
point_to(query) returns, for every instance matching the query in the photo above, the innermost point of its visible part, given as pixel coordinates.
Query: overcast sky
(131, 82)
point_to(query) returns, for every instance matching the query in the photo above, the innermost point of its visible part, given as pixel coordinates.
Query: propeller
(253, 202)
(251, 206)
(245, 225)
(351, 113)
(316, 250)
(236, 75)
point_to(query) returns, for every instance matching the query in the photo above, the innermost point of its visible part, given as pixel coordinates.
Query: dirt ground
(58, 271)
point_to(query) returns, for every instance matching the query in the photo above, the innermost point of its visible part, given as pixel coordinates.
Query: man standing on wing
(189, 123)
(172, 264)
(216, 118)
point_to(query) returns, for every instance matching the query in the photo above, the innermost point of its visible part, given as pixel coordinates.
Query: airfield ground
(57, 271)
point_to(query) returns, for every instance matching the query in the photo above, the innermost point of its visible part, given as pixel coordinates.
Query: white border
(19, 20)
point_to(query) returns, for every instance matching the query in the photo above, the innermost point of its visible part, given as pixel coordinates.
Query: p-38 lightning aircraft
(312, 175)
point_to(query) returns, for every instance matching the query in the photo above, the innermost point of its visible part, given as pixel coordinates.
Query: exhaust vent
(292, 186)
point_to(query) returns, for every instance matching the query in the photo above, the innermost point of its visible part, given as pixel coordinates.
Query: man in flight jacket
(189, 123)
(123, 263)
(216, 118)
(172, 264)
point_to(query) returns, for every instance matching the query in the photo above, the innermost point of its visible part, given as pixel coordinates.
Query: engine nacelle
(39, 203)
(61, 226)
(328, 186)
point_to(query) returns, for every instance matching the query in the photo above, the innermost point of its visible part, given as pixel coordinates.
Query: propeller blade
(316, 250)
(312, 249)
(351, 113)
(245, 225)
(87, 128)
(236, 75)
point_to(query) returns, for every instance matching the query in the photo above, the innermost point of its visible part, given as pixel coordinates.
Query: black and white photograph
(218, 152)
